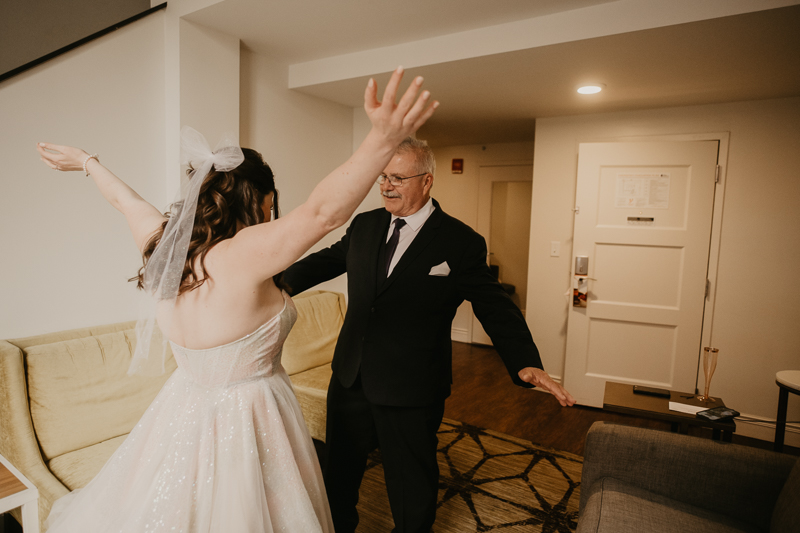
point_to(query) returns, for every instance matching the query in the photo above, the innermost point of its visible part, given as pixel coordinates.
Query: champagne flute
(709, 365)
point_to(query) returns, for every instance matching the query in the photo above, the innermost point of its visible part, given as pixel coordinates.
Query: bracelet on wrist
(86, 161)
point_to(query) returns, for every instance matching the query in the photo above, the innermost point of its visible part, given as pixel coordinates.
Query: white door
(643, 219)
(510, 217)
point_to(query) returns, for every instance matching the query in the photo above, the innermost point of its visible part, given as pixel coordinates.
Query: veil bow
(164, 269)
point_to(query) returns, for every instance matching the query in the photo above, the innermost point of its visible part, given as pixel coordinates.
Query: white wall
(209, 81)
(458, 193)
(66, 254)
(756, 317)
(202, 90)
(303, 138)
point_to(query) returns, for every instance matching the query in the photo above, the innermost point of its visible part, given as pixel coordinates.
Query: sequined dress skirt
(222, 448)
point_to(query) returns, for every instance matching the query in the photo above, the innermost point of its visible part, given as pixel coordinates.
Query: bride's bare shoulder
(252, 253)
(228, 266)
(216, 262)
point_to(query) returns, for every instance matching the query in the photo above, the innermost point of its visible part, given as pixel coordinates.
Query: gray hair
(423, 154)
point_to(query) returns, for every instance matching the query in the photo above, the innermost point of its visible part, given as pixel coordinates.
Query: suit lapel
(427, 233)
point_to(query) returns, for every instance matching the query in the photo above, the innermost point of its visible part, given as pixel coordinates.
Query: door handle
(582, 265)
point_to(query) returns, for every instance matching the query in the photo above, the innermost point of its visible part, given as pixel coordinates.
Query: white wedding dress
(222, 448)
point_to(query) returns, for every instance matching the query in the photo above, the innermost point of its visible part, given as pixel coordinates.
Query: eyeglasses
(396, 181)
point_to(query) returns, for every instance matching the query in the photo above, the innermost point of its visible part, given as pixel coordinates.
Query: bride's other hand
(143, 218)
(396, 121)
(64, 158)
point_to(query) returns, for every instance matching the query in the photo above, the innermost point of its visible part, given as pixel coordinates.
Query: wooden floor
(483, 395)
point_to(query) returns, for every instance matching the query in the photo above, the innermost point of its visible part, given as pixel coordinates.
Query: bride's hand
(398, 121)
(62, 158)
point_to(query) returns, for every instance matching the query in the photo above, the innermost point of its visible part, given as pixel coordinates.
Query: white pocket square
(440, 270)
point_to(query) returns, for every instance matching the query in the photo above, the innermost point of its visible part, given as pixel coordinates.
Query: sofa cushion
(76, 469)
(786, 516)
(313, 337)
(311, 389)
(316, 379)
(80, 393)
(745, 481)
(616, 507)
(70, 334)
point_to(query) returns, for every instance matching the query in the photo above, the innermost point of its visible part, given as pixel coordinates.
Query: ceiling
(496, 98)
(302, 30)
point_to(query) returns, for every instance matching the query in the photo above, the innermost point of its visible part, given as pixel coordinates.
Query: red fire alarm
(458, 166)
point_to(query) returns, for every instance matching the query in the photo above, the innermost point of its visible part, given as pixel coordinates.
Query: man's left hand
(540, 378)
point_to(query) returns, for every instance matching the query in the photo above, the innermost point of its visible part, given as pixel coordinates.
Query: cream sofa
(67, 403)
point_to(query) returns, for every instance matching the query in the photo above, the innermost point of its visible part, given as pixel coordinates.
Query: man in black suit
(408, 267)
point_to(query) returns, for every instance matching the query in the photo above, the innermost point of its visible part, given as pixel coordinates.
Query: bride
(224, 447)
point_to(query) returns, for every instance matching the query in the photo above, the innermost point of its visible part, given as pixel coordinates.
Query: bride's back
(226, 307)
(218, 302)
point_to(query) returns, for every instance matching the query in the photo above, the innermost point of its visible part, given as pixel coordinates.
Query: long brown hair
(228, 201)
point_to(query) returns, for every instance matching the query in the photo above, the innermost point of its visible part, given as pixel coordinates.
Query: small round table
(787, 381)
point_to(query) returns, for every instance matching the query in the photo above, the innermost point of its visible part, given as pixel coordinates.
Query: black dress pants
(407, 439)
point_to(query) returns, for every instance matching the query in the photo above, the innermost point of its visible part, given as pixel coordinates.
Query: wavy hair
(425, 160)
(228, 202)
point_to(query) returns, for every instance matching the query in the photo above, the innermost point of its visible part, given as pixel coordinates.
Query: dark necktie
(391, 245)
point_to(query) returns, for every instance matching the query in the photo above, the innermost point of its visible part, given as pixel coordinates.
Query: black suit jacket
(397, 331)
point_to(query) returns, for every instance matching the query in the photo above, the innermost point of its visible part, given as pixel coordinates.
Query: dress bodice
(253, 356)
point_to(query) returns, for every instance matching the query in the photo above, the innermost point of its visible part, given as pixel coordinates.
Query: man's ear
(428, 182)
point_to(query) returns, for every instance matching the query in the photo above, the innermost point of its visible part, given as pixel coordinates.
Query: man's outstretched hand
(540, 378)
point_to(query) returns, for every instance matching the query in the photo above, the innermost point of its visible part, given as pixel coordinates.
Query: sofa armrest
(18, 441)
(733, 480)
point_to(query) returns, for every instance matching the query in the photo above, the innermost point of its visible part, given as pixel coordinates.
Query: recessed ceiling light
(590, 89)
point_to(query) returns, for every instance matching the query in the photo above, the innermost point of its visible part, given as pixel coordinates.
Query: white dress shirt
(408, 232)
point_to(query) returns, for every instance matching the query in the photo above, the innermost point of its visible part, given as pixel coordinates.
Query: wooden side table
(620, 398)
(17, 491)
(787, 381)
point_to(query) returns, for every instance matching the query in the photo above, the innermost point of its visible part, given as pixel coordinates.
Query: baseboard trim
(761, 428)
(460, 335)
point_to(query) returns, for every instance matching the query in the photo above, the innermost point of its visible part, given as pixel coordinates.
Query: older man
(409, 266)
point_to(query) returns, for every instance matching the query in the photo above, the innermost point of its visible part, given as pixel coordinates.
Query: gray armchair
(640, 480)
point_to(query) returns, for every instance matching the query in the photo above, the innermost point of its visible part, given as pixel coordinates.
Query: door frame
(484, 207)
(483, 210)
(706, 338)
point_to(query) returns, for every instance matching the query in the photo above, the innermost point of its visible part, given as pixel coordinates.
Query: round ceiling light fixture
(591, 89)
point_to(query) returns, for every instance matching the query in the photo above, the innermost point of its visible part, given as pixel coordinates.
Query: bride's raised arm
(142, 217)
(267, 249)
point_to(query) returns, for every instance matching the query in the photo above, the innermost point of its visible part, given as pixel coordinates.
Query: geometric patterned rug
(488, 481)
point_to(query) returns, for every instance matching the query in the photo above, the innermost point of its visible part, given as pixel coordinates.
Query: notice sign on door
(642, 190)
